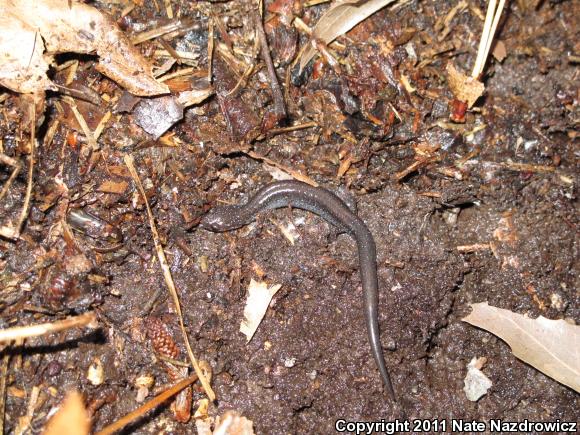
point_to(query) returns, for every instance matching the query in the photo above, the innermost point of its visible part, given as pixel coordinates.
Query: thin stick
(156, 401)
(3, 379)
(24, 211)
(168, 278)
(102, 123)
(294, 173)
(279, 105)
(296, 127)
(473, 248)
(88, 320)
(16, 165)
(210, 49)
(83, 123)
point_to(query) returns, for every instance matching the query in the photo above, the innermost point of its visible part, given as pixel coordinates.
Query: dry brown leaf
(28, 26)
(464, 87)
(551, 346)
(499, 51)
(110, 186)
(72, 418)
(339, 19)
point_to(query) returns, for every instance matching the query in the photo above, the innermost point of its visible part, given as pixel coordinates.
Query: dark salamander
(328, 206)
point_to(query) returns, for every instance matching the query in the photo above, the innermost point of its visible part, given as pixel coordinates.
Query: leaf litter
(551, 346)
(29, 27)
(339, 19)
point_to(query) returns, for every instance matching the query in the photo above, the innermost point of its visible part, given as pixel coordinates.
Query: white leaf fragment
(259, 297)
(476, 383)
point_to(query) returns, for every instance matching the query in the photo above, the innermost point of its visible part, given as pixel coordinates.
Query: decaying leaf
(23, 67)
(259, 297)
(72, 417)
(110, 186)
(551, 346)
(60, 26)
(232, 423)
(464, 87)
(476, 384)
(339, 19)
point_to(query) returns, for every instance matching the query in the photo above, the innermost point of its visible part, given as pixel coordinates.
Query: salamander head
(221, 219)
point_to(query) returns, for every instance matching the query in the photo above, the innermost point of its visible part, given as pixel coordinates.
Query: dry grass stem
(88, 320)
(489, 27)
(17, 167)
(168, 278)
(292, 172)
(3, 378)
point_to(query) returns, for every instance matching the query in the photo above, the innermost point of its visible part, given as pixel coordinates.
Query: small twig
(25, 420)
(295, 174)
(279, 105)
(83, 123)
(241, 80)
(175, 362)
(3, 379)
(88, 320)
(179, 73)
(87, 94)
(210, 48)
(150, 303)
(24, 211)
(310, 3)
(102, 123)
(168, 278)
(414, 166)
(174, 54)
(290, 128)
(249, 69)
(473, 248)
(153, 403)
(173, 26)
(17, 167)
(13, 232)
(526, 167)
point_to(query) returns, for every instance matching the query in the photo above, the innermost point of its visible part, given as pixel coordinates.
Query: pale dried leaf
(77, 28)
(259, 297)
(476, 383)
(195, 96)
(72, 418)
(23, 67)
(464, 87)
(288, 230)
(232, 423)
(339, 19)
(551, 346)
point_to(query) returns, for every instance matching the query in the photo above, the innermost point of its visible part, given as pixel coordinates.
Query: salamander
(328, 206)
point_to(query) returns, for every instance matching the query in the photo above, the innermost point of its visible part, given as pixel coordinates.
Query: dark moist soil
(491, 215)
